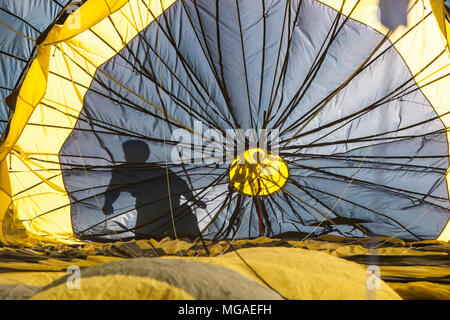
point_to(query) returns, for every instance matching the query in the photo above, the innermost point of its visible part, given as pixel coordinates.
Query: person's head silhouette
(135, 151)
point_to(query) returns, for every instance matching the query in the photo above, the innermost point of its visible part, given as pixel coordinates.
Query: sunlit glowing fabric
(22, 24)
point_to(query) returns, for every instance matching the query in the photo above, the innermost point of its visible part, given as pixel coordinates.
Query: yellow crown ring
(258, 173)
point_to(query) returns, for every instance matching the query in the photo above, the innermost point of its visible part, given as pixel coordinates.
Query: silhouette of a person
(149, 185)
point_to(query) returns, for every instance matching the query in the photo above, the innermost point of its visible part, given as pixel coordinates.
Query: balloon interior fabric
(22, 24)
(319, 269)
(122, 122)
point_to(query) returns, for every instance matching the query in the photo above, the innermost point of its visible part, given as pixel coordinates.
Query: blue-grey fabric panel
(29, 18)
(366, 152)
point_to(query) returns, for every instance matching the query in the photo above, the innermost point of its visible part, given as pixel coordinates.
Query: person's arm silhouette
(111, 194)
(187, 192)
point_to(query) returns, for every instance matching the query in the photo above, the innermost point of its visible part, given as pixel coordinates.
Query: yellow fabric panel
(29, 96)
(421, 290)
(414, 271)
(295, 266)
(57, 265)
(316, 245)
(407, 251)
(439, 12)
(41, 197)
(445, 234)
(423, 46)
(335, 248)
(102, 259)
(350, 250)
(66, 264)
(169, 246)
(116, 287)
(172, 246)
(63, 69)
(5, 195)
(30, 278)
(259, 240)
(301, 274)
(89, 15)
(30, 266)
